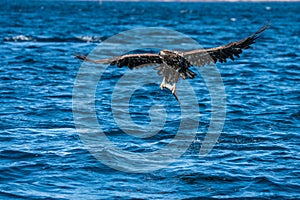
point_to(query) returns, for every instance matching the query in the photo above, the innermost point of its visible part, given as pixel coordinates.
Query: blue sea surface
(42, 155)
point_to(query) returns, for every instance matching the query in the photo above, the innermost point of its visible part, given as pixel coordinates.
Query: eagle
(173, 65)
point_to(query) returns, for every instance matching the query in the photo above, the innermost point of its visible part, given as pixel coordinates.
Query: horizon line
(208, 1)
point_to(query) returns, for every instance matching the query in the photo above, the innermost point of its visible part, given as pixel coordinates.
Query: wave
(24, 38)
(18, 38)
(90, 38)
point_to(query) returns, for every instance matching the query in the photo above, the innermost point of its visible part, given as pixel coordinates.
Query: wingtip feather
(80, 57)
(258, 33)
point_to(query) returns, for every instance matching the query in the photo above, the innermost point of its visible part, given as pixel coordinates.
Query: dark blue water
(42, 156)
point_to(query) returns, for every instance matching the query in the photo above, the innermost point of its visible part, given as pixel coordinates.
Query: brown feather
(222, 53)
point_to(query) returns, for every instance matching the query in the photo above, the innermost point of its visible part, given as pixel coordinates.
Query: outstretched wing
(130, 60)
(222, 53)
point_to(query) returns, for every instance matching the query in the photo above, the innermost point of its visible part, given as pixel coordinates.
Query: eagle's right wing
(201, 57)
(129, 60)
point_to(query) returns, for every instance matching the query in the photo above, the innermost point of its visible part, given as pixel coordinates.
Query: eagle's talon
(163, 84)
(173, 88)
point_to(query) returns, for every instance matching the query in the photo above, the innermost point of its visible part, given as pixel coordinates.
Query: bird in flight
(173, 65)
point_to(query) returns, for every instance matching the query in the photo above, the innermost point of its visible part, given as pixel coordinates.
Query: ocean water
(43, 156)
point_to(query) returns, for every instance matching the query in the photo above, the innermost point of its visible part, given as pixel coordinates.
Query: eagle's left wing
(129, 60)
(203, 57)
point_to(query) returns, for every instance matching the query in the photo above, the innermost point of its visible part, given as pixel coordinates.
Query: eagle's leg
(173, 88)
(163, 84)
